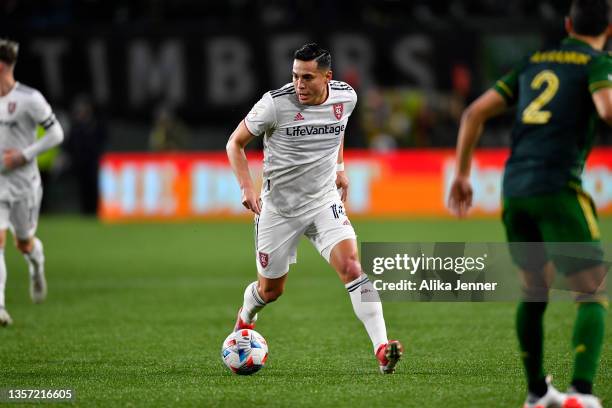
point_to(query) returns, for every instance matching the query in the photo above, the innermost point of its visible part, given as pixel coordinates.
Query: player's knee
(351, 269)
(25, 246)
(589, 284)
(535, 294)
(591, 295)
(270, 294)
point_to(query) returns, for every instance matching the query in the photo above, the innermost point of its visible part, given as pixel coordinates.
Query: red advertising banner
(407, 183)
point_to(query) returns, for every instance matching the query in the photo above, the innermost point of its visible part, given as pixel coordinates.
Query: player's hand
(342, 183)
(12, 158)
(250, 200)
(460, 197)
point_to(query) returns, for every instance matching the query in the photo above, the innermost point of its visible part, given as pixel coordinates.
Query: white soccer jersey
(21, 110)
(301, 146)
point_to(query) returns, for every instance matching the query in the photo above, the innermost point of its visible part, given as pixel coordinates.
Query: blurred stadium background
(148, 93)
(177, 76)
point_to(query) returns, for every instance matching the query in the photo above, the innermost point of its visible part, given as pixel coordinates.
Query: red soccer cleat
(240, 324)
(577, 400)
(388, 355)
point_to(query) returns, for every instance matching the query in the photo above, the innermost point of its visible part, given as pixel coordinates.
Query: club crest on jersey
(11, 107)
(263, 259)
(338, 110)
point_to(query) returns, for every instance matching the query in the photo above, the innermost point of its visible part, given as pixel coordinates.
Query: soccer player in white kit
(22, 109)
(303, 124)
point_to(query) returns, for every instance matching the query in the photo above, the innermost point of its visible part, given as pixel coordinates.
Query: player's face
(310, 82)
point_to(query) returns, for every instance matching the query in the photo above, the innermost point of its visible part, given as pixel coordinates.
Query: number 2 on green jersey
(533, 113)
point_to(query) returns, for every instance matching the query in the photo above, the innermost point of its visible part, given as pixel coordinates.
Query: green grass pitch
(136, 315)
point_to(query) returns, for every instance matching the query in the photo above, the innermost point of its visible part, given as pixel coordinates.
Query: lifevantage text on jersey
(314, 130)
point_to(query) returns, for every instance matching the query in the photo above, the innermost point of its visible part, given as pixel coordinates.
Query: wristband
(340, 166)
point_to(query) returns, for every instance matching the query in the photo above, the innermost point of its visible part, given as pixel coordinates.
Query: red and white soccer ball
(248, 359)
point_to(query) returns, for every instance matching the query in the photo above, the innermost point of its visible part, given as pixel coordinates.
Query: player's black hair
(312, 51)
(590, 17)
(8, 51)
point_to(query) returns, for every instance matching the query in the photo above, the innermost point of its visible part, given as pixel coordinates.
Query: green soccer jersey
(555, 119)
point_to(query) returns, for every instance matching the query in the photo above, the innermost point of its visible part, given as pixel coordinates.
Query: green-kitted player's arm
(600, 85)
(507, 86)
(473, 119)
(488, 105)
(600, 73)
(491, 103)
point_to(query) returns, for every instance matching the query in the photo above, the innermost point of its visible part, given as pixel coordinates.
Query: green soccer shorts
(561, 227)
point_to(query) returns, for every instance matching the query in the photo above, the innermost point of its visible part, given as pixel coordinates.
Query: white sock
(368, 308)
(253, 303)
(36, 257)
(2, 277)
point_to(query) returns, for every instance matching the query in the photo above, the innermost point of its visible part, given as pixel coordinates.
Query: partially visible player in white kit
(22, 109)
(303, 124)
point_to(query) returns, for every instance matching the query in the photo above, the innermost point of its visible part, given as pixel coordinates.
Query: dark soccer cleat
(388, 355)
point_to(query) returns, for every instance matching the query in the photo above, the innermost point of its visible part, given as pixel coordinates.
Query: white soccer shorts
(277, 237)
(21, 217)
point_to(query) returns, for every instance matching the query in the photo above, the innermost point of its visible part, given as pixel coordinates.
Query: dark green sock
(588, 340)
(530, 332)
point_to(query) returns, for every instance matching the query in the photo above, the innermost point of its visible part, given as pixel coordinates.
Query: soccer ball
(249, 358)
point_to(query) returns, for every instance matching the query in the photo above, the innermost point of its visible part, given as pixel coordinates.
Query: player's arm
(489, 104)
(473, 119)
(600, 86)
(603, 102)
(54, 135)
(341, 178)
(237, 158)
(342, 181)
(41, 113)
(261, 119)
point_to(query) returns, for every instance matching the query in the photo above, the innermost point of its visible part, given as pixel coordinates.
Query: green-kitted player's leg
(530, 332)
(585, 255)
(587, 342)
(522, 232)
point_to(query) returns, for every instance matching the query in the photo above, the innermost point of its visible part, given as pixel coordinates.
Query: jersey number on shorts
(533, 113)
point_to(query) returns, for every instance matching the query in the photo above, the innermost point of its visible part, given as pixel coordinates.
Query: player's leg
(530, 329)
(5, 318)
(332, 234)
(589, 326)
(32, 250)
(24, 221)
(366, 304)
(588, 336)
(256, 296)
(276, 240)
(580, 260)
(536, 273)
